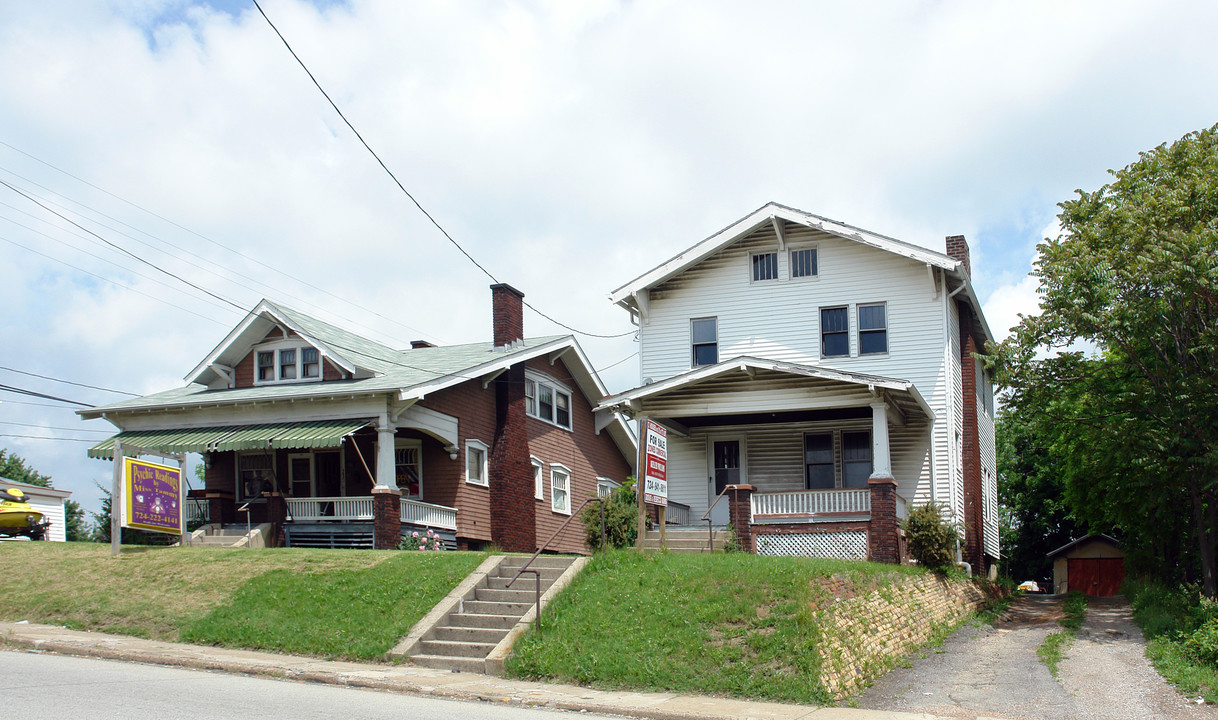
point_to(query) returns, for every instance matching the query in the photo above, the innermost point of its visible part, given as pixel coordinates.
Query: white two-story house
(826, 374)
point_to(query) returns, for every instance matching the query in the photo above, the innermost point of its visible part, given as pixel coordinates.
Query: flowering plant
(417, 541)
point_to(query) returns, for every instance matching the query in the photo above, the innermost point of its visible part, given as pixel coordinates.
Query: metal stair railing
(537, 573)
(710, 525)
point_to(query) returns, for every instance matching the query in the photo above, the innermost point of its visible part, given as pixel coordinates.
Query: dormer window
(287, 363)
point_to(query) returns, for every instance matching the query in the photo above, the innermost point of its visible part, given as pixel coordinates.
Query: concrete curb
(498, 657)
(420, 681)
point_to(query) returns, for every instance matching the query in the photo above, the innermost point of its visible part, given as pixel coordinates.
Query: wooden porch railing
(812, 502)
(436, 516)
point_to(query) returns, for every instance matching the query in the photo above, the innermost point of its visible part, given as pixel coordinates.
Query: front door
(727, 468)
(300, 475)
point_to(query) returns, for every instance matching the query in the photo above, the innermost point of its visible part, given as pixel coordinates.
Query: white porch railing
(812, 502)
(677, 513)
(421, 513)
(197, 510)
(330, 508)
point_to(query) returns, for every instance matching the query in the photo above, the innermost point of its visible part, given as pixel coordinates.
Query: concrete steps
(464, 633)
(685, 540)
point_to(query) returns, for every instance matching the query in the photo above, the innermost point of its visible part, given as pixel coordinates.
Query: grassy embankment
(736, 624)
(1053, 650)
(1181, 629)
(352, 604)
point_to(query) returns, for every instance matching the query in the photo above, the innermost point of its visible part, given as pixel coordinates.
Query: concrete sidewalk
(420, 681)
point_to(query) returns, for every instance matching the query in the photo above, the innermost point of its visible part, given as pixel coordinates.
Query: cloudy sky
(568, 146)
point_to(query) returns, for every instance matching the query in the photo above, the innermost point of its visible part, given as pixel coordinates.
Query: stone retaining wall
(864, 634)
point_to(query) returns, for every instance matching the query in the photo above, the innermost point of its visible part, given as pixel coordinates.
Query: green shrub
(1202, 644)
(931, 539)
(621, 518)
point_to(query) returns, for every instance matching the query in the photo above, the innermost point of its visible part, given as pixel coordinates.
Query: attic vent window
(765, 266)
(803, 263)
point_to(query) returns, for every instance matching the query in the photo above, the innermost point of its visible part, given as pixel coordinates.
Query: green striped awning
(273, 436)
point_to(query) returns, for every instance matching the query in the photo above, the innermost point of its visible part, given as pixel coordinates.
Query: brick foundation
(883, 538)
(386, 518)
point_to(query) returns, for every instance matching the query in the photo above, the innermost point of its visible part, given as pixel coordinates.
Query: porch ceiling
(274, 436)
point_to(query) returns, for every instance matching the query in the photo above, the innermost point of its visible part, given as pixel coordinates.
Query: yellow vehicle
(17, 518)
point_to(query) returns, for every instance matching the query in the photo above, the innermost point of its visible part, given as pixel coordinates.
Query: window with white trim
(539, 490)
(873, 329)
(546, 399)
(286, 361)
(560, 489)
(704, 341)
(765, 266)
(834, 332)
(476, 468)
(605, 486)
(252, 469)
(803, 262)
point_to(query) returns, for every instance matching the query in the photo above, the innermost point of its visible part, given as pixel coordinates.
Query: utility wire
(43, 437)
(217, 243)
(119, 247)
(44, 396)
(403, 187)
(67, 382)
(53, 427)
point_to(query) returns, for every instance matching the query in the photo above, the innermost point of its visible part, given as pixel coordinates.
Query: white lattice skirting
(835, 545)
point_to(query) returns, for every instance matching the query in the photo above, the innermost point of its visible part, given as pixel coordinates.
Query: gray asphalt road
(38, 686)
(994, 671)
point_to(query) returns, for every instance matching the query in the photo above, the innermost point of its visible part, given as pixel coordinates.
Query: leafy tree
(1135, 422)
(76, 527)
(13, 467)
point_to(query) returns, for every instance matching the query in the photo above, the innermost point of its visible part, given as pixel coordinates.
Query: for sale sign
(152, 496)
(655, 459)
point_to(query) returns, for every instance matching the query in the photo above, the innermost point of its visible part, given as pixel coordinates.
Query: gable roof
(772, 212)
(1086, 538)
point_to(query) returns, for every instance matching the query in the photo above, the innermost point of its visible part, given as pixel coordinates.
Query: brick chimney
(513, 509)
(957, 249)
(507, 307)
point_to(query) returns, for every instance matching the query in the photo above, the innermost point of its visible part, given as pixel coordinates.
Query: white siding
(954, 495)
(780, 320)
(989, 476)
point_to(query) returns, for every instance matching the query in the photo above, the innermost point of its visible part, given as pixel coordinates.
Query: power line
(67, 382)
(44, 396)
(403, 187)
(217, 243)
(53, 427)
(43, 437)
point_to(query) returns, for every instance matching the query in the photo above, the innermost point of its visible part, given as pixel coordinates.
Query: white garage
(47, 501)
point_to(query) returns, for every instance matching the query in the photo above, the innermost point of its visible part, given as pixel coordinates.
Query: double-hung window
(546, 400)
(819, 472)
(560, 489)
(310, 363)
(873, 329)
(539, 490)
(476, 470)
(266, 366)
(856, 459)
(765, 266)
(803, 262)
(834, 332)
(704, 341)
(286, 363)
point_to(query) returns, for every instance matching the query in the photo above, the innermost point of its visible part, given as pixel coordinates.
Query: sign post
(655, 473)
(146, 495)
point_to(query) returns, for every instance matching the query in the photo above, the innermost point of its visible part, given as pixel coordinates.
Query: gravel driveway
(993, 672)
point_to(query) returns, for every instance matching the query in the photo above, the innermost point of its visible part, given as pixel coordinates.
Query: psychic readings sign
(655, 459)
(152, 496)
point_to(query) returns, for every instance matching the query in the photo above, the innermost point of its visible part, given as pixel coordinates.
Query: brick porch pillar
(386, 518)
(740, 512)
(883, 540)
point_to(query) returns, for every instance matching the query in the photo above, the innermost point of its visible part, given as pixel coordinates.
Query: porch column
(386, 497)
(883, 539)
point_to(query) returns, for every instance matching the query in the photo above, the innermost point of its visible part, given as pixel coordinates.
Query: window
(873, 329)
(704, 339)
(287, 364)
(475, 463)
(310, 362)
(546, 400)
(803, 263)
(408, 467)
(605, 486)
(539, 490)
(819, 471)
(765, 266)
(254, 472)
(985, 390)
(560, 485)
(856, 459)
(266, 366)
(834, 332)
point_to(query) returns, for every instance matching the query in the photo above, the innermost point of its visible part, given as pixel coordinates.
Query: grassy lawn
(734, 624)
(331, 603)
